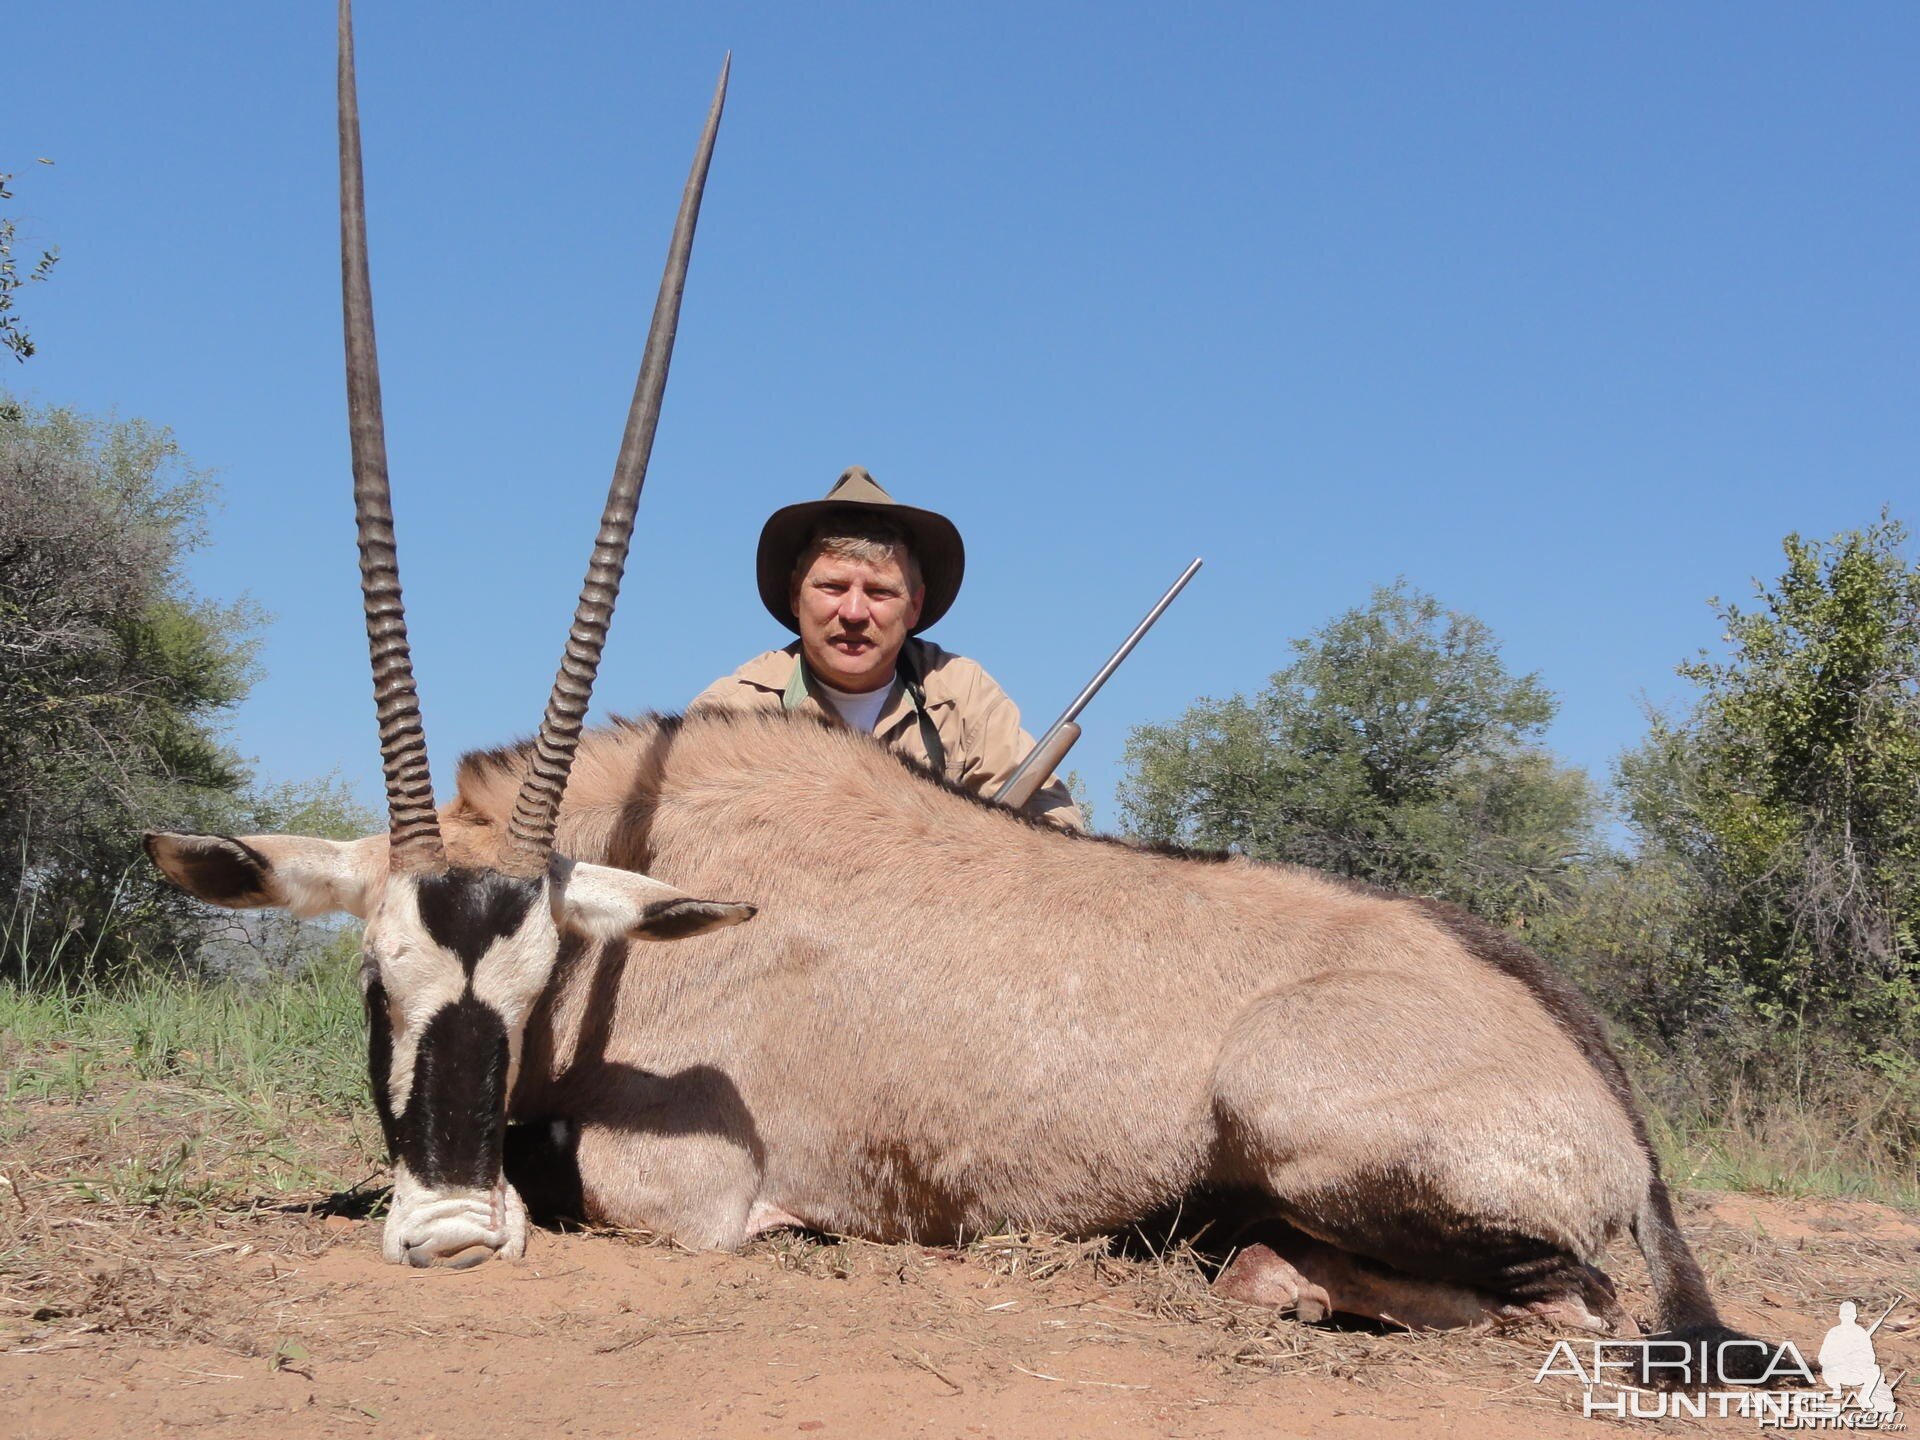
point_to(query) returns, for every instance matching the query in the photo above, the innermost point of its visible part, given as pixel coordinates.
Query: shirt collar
(901, 706)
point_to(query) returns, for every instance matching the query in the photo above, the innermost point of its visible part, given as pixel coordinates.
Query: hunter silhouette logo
(1848, 1366)
(1852, 1390)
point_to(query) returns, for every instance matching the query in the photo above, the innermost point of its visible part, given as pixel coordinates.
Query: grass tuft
(177, 1090)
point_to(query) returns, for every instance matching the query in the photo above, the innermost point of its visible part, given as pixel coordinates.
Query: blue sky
(1564, 313)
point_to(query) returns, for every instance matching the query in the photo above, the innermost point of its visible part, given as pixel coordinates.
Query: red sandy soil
(276, 1323)
(208, 1313)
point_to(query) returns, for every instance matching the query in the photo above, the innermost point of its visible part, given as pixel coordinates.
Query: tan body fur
(945, 1019)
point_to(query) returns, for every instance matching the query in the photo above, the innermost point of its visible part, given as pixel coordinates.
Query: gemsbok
(946, 1018)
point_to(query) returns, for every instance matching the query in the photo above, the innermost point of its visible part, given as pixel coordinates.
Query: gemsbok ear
(289, 872)
(603, 903)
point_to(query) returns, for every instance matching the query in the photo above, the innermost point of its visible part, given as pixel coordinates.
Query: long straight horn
(414, 828)
(530, 831)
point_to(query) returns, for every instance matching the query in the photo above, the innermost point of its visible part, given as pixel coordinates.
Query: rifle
(1046, 756)
(1884, 1313)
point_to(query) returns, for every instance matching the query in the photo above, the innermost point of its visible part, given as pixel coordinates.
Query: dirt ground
(211, 1316)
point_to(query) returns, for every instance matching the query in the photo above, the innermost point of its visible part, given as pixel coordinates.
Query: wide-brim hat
(935, 540)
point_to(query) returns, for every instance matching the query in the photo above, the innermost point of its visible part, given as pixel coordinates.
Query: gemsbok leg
(1392, 1217)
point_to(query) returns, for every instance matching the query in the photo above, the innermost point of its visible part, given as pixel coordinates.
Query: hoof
(1258, 1276)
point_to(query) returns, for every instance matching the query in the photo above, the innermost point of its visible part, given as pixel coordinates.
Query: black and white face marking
(455, 962)
(452, 965)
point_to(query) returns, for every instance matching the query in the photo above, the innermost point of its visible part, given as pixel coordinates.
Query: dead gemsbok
(945, 1018)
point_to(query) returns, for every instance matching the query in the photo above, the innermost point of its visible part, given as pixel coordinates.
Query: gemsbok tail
(1716, 1353)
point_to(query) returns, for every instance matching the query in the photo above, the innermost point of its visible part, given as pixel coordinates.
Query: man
(858, 576)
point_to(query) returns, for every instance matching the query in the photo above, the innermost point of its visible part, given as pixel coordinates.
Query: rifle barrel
(1886, 1312)
(1072, 712)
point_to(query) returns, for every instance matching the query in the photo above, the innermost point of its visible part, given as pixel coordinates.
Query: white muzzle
(454, 1226)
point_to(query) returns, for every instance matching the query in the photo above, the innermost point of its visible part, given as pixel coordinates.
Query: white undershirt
(861, 712)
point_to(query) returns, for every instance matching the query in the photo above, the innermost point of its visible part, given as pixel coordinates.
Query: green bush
(1395, 749)
(1786, 804)
(116, 679)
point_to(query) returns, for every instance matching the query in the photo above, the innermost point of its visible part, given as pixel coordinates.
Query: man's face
(854, 617)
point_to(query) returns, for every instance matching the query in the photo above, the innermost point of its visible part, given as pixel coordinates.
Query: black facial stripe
(380, 1061)
(465, 911)
(451, 1129)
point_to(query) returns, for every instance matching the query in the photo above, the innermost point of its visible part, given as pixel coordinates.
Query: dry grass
(112, 1205)
(1102, 1292)
(1143, 1289)
(1835, 1145)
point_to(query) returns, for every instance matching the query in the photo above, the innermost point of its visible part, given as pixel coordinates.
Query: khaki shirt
(978, 726)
